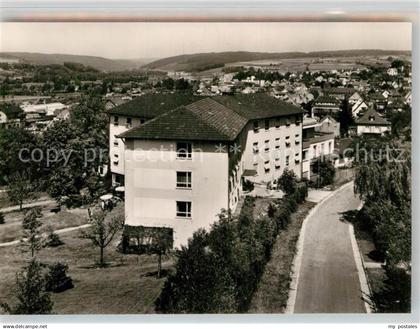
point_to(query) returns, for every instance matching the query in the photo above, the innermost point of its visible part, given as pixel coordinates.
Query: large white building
(187, 164)
(132, 114)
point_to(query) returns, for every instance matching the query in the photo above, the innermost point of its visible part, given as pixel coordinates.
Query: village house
(175, 162)
(324, 105)
(328, 125)
(372, 123)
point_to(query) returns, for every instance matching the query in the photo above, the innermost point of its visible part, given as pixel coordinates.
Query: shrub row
(219, 270)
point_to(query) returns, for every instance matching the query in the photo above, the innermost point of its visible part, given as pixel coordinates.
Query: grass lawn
(5, 202)
(127, 285)
(12, 228)
(272, 292)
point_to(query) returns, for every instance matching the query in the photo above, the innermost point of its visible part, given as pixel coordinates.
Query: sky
(159, 40)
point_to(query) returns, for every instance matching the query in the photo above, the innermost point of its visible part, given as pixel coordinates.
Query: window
(266, 145)
(298, 120)
(304, 155)
(287, 160)
(115, 120)
(128, 122)
(267, 166)
(256, 126)
(287, 144)
(183, 179)
(297, 142)
(115, 163)
(116, 142)
(267, 124)
(183, 150)
(277, 123)
(277, 143)
(255, 147)
(183, 209)
(287, 123)
(277, 166)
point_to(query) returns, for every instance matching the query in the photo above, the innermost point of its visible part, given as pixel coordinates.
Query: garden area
(128, 284)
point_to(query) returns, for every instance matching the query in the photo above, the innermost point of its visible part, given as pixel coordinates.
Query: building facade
(185, 166)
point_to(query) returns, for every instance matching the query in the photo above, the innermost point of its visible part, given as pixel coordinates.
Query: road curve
(328, 277)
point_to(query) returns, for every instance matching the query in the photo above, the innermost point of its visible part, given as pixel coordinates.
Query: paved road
(328, 279)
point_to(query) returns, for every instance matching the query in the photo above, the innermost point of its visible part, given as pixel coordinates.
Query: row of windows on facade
(255, 145)
(183, 151)
(277, 123)
(277, 166)
(128, 121)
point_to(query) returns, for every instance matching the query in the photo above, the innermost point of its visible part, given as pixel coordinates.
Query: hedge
(218, 271)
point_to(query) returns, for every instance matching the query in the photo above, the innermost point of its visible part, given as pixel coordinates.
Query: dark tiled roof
(218, 116)
(372, 118)
(179, 124)
(152, 105)
(341, 90)
(326, 100)
(258, 106)
(213, 118)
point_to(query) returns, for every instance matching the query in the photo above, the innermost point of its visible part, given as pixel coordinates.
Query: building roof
(258, 106)
(328, 117)
(218, 116)
(211, 118)
(341, 91)
(327, 100)
(371, 117)
(179, 124)
(152, 105)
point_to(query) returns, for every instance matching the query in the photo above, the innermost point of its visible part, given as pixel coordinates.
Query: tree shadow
(163, 273)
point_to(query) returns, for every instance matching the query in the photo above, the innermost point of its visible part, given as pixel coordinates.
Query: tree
(287, 181)
(31, 235)
(345, 117)
(161, 243)
(30, 292)
(56, 279)
(19, 188)
(326, 172)
(102, 231)
(168, 83)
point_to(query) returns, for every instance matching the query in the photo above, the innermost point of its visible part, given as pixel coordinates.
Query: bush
(219, 270)
(287, 181)
(56, 280)
(2, 220)
(247, 185)
(395, 296)
(53, 240)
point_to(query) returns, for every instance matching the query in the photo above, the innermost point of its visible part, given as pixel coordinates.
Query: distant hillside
(203, 61)
(99, 63)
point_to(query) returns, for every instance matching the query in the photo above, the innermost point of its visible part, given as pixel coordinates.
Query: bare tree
(31, 235)
(102, 231)
(19, 188)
